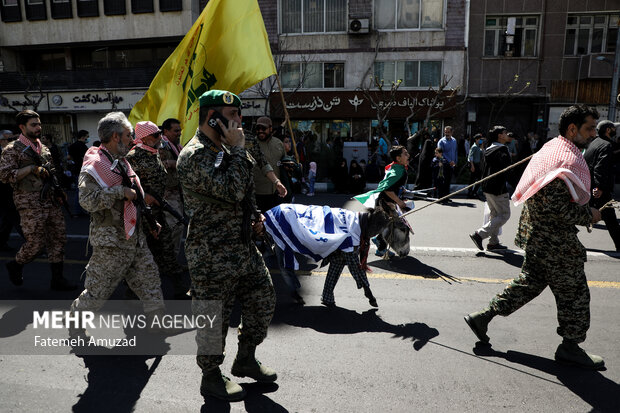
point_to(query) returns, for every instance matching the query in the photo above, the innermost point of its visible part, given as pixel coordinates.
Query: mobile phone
(213, 123)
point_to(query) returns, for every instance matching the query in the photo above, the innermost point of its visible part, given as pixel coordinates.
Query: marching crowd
(141, 187)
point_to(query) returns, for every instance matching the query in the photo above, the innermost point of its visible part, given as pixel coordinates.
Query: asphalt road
(414, 353)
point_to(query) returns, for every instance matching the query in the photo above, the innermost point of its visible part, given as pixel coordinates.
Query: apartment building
(529, 60)
(327, 50)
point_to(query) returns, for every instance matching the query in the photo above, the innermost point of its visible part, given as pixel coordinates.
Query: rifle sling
(207, 199)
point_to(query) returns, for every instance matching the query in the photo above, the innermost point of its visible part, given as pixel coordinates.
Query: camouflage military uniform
(150, 169)
(42, 221)
(223, 263)
(114, 257)
(554, 257)
(172, 195)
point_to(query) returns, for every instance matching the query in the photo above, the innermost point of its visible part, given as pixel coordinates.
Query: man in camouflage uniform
(554, 256)
(169, 153)
(119, 250)
(218, 188)
(38, 204)
(146, 163)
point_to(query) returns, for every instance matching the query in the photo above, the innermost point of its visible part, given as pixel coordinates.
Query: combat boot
(479, 322)
(246, 365)
(570, 353)
(215, 384)
(60, 283)
(15, 272)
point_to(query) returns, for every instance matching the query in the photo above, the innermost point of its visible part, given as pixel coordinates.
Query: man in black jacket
(599, 157)
(496, 157)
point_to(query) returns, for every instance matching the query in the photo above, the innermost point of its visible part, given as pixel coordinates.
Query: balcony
(79, 79)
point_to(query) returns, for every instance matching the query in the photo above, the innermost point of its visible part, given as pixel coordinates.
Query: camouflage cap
(219, 98)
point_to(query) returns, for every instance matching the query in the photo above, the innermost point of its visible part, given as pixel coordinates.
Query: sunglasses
(261, 127)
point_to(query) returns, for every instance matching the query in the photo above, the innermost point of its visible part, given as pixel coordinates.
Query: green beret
(219, 98)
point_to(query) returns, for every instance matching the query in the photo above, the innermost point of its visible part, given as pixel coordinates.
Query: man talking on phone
(215, 172)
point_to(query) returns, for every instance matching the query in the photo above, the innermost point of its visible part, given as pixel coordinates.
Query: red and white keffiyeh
(558, 158)
(36, 145)
(141, 144)
(98, 165)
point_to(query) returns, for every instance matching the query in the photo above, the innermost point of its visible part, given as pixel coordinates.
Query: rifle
(143, 208)
(51, 182)
(167, 207)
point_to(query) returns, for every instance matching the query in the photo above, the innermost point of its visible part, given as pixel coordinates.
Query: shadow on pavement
(339, 320)
(412, 266)
(591, 386)
(114, 382)
(255, 400)
(508, 256)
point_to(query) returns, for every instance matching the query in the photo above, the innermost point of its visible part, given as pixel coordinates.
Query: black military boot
(60, 283)
(216, 385)
(479, 322)
(570, 353)
(15, 272)
(246, 365)
(371, 298)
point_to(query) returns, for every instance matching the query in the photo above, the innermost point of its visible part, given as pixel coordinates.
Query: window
(87, 8)
(312, 75)
(114, 7)
(411, 73)
(142, 6)
(313, 16)
(61, 9)
(170, 5)
(35, 10)
(525, 39)
(10, 10)
(590, 34)
(408, 14)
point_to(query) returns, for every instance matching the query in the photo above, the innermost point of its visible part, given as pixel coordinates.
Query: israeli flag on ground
(311, 230)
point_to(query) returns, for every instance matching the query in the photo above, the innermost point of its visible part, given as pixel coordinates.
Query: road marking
(387, 275)
(474, 251)
(440, 277)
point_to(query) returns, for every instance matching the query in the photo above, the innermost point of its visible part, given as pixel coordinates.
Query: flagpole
(287, 119)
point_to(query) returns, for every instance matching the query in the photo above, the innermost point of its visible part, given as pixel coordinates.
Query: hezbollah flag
(226, 48)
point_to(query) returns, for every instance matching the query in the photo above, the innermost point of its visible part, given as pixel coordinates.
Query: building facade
(330, 52)
(529, 60)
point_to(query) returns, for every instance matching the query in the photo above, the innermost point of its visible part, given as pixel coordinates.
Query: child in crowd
(438, 167)
(311, 178)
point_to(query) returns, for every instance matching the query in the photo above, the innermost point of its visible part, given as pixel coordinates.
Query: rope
(469, 186)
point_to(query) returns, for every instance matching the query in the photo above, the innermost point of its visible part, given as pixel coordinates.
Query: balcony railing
(139, 77)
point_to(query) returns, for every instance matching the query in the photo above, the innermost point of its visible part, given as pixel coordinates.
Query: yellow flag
(226, 48)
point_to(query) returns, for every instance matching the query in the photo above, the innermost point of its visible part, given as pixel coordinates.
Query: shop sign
(78, 101)
(10, 102)
(334, 105)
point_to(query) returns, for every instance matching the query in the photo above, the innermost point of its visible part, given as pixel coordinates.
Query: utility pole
(613, 100)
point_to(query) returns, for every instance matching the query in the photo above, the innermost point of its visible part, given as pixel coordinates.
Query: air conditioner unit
(359, 26)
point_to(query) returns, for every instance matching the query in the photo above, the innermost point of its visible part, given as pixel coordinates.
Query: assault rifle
(50, 182)
(143, 208)
(167, 207)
